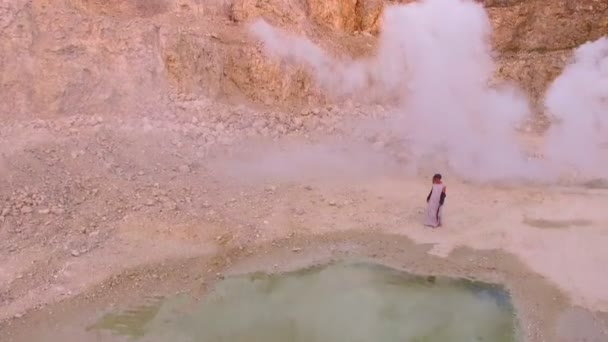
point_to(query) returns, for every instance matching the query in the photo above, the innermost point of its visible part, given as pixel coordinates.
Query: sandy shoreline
(543, 310)
(544, 305)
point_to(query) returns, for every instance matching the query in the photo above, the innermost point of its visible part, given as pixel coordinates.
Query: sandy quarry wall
(63, 57)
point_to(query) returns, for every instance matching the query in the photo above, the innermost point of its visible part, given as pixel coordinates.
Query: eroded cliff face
(534, 39)
(65, 57)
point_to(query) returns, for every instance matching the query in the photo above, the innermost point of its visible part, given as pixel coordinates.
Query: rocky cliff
(66, 57)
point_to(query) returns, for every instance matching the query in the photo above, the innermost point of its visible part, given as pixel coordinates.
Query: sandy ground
(98, 210)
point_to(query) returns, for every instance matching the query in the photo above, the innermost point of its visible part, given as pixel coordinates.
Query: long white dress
(433, 209)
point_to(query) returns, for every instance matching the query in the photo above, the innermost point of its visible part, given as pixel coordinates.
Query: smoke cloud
(578, 99)
(435, 57)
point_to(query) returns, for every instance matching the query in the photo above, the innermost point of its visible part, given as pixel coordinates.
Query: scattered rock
(296, 249)
(44, 211)
(26, 210)
(259, 123)
(184, 168)
(75, 253)
(297, 122)
(57, 211)
(332, 203)
(311, 123)
(170, 205)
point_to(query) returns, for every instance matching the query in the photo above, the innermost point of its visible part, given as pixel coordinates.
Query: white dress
(433, 209)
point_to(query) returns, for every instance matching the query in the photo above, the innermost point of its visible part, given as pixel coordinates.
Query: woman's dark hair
(437, 176)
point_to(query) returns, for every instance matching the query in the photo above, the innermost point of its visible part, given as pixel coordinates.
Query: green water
(348, 302)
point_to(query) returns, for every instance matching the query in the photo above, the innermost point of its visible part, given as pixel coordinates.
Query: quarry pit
(155, 155)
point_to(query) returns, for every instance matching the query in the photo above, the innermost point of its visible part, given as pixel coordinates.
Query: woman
(435, 201)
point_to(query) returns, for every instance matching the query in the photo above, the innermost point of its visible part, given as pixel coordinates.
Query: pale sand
(570, 250)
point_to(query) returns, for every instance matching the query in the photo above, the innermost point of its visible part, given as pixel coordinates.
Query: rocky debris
(57, 210)
(170, 205)
(184, 168)
(26, 210)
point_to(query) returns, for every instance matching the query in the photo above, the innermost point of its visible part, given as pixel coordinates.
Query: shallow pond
(347, 302)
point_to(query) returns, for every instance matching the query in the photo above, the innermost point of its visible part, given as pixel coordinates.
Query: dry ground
(88, 198)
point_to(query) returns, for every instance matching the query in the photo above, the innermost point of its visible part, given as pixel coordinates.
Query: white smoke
(450, 107)
(341, 78)
(435, 55)
(578, 99)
